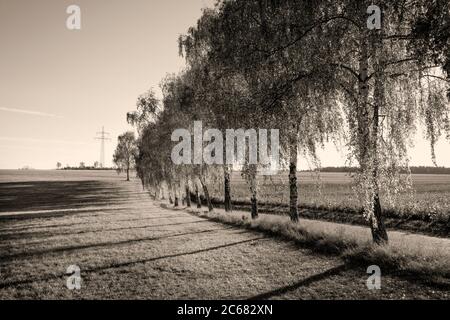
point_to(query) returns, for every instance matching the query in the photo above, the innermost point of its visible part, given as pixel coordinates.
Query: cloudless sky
(59, 87)
(80, 80)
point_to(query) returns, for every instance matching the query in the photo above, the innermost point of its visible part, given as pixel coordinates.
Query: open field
(334, 190)
(331, 197)
(129, 246)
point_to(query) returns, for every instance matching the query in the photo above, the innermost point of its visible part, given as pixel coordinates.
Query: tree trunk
(170, 197)
(368, 141)
(254, 191)
(206, 193)
(378, 228)
(197, 197)
(183, 199)
(188, 195)
(128, 174)
(254, 201)
(363, 134)
(379, 233)
(227, 189)
(226, 178)
(293, 192)
(175, 193)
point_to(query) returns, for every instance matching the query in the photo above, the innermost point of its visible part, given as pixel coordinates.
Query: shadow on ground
(52, 195)
(130, 263)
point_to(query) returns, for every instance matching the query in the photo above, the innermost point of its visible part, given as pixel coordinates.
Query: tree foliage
(125, 153)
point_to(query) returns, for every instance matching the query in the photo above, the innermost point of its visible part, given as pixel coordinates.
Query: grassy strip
(402, 259)
(437, 225)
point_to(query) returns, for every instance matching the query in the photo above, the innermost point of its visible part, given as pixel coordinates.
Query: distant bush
(86, 168)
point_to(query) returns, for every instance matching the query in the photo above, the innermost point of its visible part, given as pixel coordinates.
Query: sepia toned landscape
(211, 153)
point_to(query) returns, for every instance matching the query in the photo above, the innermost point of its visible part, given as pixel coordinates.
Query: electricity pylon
(103, 137)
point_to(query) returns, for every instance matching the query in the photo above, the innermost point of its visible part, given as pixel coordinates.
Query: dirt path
(127, 246)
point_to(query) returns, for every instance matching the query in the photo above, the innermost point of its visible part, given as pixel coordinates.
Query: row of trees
(413, 170)
(317, 70)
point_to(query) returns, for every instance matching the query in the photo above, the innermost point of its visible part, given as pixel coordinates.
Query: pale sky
(59, 87)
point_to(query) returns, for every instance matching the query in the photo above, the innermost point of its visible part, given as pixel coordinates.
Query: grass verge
(405, 259)
(417, 222)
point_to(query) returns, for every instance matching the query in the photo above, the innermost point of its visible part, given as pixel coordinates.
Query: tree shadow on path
(302, 283)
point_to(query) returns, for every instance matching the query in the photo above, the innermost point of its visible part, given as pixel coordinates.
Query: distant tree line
(86, 168)
(413, 170)
(82, 166)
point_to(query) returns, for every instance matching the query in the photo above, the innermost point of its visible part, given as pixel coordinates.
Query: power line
(103, 137)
